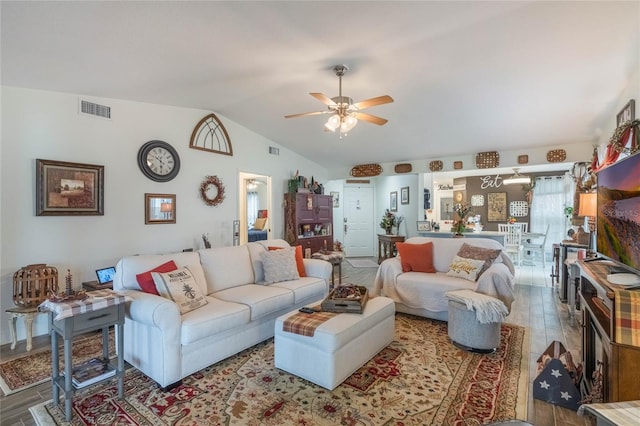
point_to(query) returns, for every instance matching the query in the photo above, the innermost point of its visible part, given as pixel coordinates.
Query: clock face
(159, 161)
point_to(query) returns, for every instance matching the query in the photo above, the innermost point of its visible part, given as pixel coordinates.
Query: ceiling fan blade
(371, 118)
(380, 100)
(304, 114)
(323, 98)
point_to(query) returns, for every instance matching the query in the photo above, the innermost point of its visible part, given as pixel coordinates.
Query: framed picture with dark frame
(424, 226)
(69, 189)
(393, 201)
(627, 113)
(404, 195)
(159, 208)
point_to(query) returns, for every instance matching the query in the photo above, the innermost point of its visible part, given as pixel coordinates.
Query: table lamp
(166, 208)
(589, 209)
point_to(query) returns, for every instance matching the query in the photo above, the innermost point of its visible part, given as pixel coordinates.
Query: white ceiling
(466, 76)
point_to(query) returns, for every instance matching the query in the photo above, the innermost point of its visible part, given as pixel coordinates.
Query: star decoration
(565, 395)
(544, 385)
(556, 373)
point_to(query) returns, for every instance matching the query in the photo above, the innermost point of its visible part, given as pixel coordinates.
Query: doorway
(358, 221)
(254, 205)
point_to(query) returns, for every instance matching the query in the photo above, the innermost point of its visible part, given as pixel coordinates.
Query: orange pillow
(145, 280)
(299, 259)
(416, 257)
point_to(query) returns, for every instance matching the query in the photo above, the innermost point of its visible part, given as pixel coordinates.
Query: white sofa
(423, 294)
(240, 312)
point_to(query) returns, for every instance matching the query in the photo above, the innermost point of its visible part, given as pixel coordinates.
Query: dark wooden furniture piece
(618, 362)
(308, 221)
(94, 285)
(387, 246)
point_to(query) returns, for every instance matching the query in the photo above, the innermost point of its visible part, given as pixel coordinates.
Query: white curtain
(550, 197)
(252, 208)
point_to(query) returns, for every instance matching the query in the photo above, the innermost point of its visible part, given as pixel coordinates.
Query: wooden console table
(387, 246)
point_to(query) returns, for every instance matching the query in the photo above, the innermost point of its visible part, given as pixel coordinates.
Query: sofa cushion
(469, 269)
(226, 267)
(261, 299)
(145, 280)
(280, 265)
(181, 287)
(488, 255)
(217, 316)
(130, 266)
(416, 257)
(306, 288)
(299, 260)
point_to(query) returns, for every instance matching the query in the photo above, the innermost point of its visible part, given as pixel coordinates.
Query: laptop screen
(105, 275)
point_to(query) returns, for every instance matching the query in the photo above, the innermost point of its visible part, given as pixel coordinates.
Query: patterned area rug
(35, 368)
(362, 263)
(419, 379)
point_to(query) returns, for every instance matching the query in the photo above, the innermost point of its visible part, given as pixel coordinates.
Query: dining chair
(513, 241)
(537, 246)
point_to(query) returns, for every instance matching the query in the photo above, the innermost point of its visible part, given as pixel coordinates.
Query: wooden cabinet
(308, 221)
(618, 362)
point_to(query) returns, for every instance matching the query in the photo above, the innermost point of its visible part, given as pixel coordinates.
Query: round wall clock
(159, 161)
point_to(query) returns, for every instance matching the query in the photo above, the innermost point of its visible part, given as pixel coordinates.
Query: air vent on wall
(273, 150)
(97, 110)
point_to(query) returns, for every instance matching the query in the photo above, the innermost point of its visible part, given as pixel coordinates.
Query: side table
(29, 314)
(101, 310)
(387, 246)
(335, 258)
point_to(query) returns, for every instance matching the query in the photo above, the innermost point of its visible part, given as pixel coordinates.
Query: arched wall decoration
(206, 184)
(210, 135)
(627, 133)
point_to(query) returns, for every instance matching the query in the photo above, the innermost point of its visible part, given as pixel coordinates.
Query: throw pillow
(479, 253)
(416, 257)
(280, 265)
(260, 223)
(469, 269)
(145, 280)
(181, 287)
(299, 260)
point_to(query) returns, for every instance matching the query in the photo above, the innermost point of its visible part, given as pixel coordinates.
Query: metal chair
(512, 240)
(537, 246)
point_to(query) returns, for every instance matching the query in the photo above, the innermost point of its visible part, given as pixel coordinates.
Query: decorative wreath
(204, 188)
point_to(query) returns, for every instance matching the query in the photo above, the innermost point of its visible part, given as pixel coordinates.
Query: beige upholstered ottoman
(338, 347)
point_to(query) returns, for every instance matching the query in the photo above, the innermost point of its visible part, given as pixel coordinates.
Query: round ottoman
(466, 332)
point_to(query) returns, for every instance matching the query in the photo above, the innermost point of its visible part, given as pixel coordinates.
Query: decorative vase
(387, 231)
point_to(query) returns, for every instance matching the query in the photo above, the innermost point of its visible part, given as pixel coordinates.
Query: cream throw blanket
(488, 309)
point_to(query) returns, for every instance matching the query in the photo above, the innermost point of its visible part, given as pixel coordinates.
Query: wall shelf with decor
(308, 221)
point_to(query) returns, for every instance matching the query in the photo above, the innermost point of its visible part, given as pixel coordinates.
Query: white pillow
(181, 287)
(280, 265)
(468, 269)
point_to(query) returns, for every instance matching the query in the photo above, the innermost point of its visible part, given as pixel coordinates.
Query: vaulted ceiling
(465, 76)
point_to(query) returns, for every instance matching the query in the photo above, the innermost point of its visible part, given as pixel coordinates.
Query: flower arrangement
(461, 212)
(512, 220)
(388, 221)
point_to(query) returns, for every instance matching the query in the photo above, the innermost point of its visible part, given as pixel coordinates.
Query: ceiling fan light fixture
(517, 178)
(348, 123)
(332, 123)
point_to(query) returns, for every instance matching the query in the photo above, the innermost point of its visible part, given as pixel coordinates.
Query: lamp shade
(588, 205)
(166, 207)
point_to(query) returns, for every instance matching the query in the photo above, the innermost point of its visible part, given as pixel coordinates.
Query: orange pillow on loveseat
(416, 257)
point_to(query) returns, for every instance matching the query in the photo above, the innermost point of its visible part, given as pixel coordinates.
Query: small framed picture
(404, 195)
(627, 113)
(69, 189)
(159, 208)
(393, 201)
(424, 226)
(335, 198)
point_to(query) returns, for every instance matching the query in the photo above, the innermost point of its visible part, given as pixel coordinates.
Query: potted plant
(460, 214)
(388, 221)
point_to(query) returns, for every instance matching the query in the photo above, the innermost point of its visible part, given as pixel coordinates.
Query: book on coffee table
(91, 372)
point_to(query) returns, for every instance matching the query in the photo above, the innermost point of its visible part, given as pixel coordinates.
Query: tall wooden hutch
(308, 221)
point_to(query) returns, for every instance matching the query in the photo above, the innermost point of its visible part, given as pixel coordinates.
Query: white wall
(46, 125)
(387, 184)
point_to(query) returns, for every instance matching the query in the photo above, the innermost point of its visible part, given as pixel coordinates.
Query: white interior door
(358, 221)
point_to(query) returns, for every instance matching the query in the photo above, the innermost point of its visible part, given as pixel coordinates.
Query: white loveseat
(423, 294)
(240, 312)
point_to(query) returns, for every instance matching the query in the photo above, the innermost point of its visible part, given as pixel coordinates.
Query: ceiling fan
(345, 113)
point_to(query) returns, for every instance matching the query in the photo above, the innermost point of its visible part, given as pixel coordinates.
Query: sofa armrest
(318, 268)
(385, 281)
(497, 281)
(152, 310)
